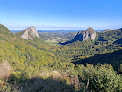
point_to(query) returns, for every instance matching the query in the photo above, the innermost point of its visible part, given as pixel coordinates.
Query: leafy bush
(101, 78)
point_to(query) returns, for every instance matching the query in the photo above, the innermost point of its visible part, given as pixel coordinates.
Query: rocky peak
(86, 34)
(30, 33)
(90, 30)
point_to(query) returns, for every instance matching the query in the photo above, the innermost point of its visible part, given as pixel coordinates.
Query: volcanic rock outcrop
(85, 35)
(30, 33)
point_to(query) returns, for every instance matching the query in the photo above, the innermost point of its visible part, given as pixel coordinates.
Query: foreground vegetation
(33, 65)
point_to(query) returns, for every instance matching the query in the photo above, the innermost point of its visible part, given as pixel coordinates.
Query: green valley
(87, 61)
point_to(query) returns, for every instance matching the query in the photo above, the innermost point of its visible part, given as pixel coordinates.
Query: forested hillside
(33, 65)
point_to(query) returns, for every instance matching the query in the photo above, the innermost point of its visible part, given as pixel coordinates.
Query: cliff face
(84, 35)
(30, 33)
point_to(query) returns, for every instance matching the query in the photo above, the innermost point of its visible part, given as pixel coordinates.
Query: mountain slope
(113, 58)
(22, 53)
(4, 32)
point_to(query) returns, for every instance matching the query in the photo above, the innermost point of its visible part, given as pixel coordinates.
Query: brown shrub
(5, 69)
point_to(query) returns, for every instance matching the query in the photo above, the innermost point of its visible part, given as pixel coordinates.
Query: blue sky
(61, 14)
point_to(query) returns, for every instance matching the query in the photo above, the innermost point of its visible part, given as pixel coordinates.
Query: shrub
(101, 78)
(5, 69)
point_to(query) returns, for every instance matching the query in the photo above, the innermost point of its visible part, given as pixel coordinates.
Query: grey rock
(30, 33)
(85, 35)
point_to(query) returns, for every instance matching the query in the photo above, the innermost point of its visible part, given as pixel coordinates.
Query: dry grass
(5, 69)
(53, 74)
(48, 81)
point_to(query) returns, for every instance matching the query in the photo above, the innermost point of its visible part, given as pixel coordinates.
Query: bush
(5, 69)
(101, 78)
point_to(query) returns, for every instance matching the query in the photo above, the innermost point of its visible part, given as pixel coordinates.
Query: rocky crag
(86, 34)
(83, 35)
(30, 33)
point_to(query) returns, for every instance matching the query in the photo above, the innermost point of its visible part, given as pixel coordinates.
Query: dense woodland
(79, 66)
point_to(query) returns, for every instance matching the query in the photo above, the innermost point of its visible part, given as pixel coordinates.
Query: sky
(61, 14)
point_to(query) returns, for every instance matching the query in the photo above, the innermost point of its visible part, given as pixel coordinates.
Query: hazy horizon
(64, 31)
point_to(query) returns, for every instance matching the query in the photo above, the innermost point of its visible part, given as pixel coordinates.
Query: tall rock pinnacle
(30, 33)
(85, 35)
